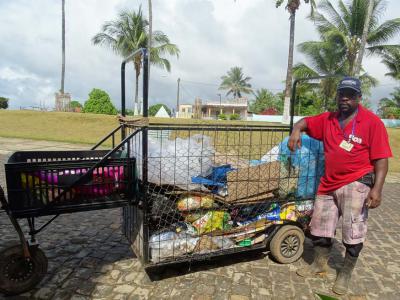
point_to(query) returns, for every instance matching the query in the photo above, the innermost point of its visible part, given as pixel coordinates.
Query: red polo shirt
(342, 167)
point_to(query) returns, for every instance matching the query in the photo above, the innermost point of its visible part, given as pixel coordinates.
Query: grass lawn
(90, 128)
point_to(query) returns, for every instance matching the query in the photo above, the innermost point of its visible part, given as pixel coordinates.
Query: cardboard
(247, 183)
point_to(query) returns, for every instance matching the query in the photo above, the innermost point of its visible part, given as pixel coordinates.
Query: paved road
(89, 258)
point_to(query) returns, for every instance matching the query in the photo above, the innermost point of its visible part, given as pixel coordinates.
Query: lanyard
(352, 130)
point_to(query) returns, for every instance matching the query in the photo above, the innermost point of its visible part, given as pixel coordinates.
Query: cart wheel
(18, 274)
(287, 245)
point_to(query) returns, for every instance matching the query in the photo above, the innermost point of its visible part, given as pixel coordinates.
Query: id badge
(346, 145)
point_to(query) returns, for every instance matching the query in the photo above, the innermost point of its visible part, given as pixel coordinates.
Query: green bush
(3, 103)
(222, 117)
(155, 108)
(75, 104)
(99, 102)
(234, 117)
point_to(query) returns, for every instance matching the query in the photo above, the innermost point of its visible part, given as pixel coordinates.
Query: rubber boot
(320, 264)
(343, 278)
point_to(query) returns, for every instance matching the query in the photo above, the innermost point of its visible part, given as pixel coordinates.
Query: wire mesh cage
(208, 190)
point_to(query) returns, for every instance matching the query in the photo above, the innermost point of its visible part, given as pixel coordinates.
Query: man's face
(347, 100)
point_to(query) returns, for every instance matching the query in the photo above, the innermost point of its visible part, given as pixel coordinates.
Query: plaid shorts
(349, 202)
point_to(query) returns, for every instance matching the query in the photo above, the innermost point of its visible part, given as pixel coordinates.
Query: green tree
(3, 103)
(236, 83)
(266, 99)
(391, 59)
(156, 107)
(75, 105)
(292, 6)
(99, 102)
(390, 107)
(346, 27)
(129, 33)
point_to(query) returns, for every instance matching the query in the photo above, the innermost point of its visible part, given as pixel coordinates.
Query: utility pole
(220, 104)
(177, 98)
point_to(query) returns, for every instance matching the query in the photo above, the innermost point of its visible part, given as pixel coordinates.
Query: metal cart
(189, 191)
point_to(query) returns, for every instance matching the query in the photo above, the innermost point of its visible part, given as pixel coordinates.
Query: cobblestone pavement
(89, 258)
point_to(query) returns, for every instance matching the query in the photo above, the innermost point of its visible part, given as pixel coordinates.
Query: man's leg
(323, 225)
(351, 200)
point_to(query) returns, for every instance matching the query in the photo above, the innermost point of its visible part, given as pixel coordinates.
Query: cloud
(213, 36)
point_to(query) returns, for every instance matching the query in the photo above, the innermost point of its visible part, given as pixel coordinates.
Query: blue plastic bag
(309, 160)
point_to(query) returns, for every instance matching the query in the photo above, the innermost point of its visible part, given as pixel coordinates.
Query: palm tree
(327, 57)
(129, 33)
(292, 6)
(391, 59)
(346, 27)
(364, 37)
(63, 46)
(236, 83)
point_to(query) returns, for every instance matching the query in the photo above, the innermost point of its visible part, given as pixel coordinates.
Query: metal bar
(106, 137)
(292, 98)
(33, 231)
(145, 155)
(15, 223)
(91, 169)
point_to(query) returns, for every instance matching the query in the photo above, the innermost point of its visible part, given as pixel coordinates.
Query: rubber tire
(283, 233)
(39, 269)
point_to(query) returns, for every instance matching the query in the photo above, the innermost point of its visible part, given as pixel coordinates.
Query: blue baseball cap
(350, 83)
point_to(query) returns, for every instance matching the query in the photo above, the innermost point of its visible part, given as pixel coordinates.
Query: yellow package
(213, 220)
(190, 202)
(288, 213)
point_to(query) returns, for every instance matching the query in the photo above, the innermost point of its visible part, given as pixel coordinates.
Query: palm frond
(384, 32)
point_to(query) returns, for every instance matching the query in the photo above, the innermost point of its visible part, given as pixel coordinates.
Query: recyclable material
(304, 206)
(288, 213)
(207, 244)
(252, 241)
(169, 244)
(176, 161)
(212, 220)
(272, 215)
(193, 201)
(309, 162)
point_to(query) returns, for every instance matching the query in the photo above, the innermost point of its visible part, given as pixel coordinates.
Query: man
(356, 151)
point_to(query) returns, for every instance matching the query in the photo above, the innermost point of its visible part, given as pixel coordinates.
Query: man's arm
(375, 195)
(295, 137)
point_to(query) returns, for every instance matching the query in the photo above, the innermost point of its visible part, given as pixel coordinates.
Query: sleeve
(316, 126)
(379, 141)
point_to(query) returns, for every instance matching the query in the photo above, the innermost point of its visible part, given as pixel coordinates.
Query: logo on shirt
(355, 139)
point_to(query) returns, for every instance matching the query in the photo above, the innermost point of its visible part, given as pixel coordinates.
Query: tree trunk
(150, 31)
(357, 67)
(150, 37)
(63, 47)
(288, 88)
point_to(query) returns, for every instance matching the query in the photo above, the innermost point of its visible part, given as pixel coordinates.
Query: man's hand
(294, 140)
(374, 198)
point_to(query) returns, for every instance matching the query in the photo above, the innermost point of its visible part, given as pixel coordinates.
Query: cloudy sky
(213, 36)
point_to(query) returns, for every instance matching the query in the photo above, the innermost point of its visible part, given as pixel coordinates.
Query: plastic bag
(309, 160)
(191, 201)
(213, 220)
(176, 161)
(208, 244)
(171, 244)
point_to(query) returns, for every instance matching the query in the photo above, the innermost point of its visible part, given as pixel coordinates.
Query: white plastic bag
(176, 161)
